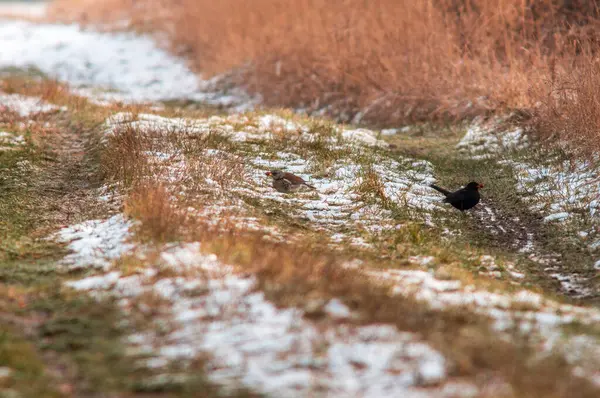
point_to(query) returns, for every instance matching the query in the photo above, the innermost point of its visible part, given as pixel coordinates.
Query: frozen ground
(210, 309)
(200, 307)
(563, 191)
(105, 66)
(334, 205)
(26, 106)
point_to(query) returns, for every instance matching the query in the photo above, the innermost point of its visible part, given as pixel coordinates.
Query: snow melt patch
(271, 350)
(530, 312)
(483, 141)
(26, 106)
(237, 128)
(95, 243)
(363, 136)
(562, 191)
(131, 65)
(336, 205)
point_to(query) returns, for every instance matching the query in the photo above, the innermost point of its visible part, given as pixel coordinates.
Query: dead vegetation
(390, 62)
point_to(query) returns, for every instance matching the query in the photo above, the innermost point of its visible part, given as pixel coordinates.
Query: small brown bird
(463, 199)
(287, 182)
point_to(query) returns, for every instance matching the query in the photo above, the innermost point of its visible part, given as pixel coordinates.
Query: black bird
(463, 199)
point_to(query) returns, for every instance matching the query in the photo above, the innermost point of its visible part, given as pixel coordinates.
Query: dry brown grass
(393, 61)
(161, 220)
(125, 160)
(570, 107)
(46, 89)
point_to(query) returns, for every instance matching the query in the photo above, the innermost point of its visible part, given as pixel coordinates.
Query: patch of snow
(335, 202)
(516, 275)
(131, 65)
(26, 106)
(388, 132)
(483, 141)
(562, 191)
(5, 373)
(572, 284)
(363, 136)
(557, 216)
(422, 260)
(101, 282)
(529, 311)
(336, 309)
(263, 127)
(529, 245)
(274, 351)
(96, 243)
(277, 123)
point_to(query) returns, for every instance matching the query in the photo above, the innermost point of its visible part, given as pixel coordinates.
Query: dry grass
(393, 61)
(46, 89)
(570, 108)
(125, 161)
(161, 219)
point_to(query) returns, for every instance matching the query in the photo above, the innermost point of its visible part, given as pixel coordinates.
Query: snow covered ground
(334, 205)
(26, 106)
(213, 310)
(541, 319)
(206, 307)
(562, 190)
(105, 66)
(480, 142)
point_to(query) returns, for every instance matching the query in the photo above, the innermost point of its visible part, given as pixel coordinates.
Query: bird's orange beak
(268, 173)
(480, 186)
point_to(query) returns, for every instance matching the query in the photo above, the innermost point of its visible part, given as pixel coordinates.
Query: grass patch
(28, 377)
(55, 341)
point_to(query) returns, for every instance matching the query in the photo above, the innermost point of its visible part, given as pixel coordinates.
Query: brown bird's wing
(294, 179)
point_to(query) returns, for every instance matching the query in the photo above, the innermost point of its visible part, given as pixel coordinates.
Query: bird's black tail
(310, 186)
(442, 190)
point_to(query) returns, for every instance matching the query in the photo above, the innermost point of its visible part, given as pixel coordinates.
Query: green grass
(29, 377)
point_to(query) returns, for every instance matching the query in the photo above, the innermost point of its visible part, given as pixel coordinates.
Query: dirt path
(503, 223)
(528, 237)
(68, 343)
